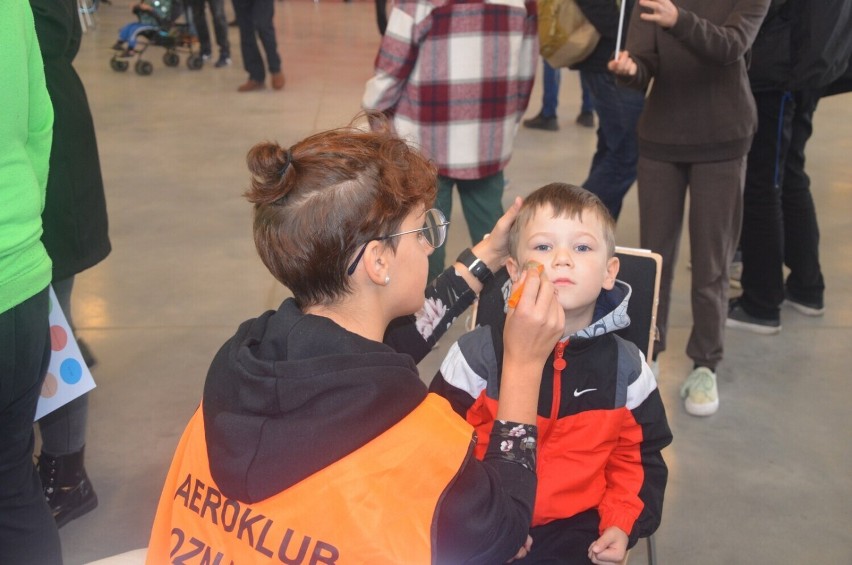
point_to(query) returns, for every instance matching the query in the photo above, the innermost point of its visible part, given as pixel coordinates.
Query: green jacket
(26, 130)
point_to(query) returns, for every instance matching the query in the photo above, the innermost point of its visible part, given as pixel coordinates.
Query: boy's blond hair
(565, 200)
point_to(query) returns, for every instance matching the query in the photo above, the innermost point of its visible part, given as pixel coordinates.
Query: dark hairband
(287, 159)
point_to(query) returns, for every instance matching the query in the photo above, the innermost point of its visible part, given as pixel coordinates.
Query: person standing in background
(801, 49)
(613, 168)
(456, 77)
(76, 238)
(694, 133)
(220, 28)
(546, 119)
(255, 20)
(28, 534)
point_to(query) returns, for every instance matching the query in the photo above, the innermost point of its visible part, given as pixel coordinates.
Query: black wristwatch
(475, 265)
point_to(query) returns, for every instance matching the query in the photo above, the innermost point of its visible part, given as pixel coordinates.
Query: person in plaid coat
(456, 77)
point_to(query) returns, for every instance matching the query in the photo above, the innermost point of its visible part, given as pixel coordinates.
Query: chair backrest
(639, 268)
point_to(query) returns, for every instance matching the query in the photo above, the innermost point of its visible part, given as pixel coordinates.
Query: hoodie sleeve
(636, 474)
(724, 44)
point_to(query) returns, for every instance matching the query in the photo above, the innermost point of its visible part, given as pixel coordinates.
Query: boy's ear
(612, 266)
(514, 270)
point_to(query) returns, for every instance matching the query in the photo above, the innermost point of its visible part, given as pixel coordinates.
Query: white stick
(620, 28)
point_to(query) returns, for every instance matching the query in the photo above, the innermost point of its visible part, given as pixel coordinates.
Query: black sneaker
(542, 122)
(586, 119)
(223, 61)
(742, 320)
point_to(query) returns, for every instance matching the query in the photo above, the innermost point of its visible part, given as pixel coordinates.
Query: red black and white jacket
(602, 424)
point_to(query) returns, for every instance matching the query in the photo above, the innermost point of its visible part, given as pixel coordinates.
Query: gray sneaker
(223, 61)
(802, 307)
(742, 320)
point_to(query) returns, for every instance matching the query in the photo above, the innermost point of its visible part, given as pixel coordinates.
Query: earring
(387, 280)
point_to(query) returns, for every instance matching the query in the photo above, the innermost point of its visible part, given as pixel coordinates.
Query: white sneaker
(700, 394)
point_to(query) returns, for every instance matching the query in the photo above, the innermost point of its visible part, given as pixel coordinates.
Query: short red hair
(316, 203)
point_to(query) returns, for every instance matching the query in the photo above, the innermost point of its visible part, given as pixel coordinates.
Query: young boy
(602, 425)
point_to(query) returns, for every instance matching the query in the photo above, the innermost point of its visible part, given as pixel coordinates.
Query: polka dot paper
(67, 375)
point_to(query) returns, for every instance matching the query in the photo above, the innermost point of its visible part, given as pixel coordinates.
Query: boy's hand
(524, 551)
(623, 65)
(610, 548)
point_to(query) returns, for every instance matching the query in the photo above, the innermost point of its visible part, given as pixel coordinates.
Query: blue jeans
(550, 90)
(587, 105)
(613, 167)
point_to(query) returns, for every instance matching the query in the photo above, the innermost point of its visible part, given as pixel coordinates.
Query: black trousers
(565, 541)
(254, 18)
(28, 533)
(220, 26)
(779, 217)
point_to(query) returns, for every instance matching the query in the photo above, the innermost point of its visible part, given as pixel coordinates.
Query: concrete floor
(766, 480)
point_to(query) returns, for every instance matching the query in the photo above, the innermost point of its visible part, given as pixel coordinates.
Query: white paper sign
(67, 375)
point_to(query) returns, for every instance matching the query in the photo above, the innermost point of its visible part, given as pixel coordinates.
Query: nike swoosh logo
(582, 392)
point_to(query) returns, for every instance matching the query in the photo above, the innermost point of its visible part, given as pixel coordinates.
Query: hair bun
(269, 164)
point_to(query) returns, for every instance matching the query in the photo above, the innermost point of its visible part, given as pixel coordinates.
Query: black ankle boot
(66, 486)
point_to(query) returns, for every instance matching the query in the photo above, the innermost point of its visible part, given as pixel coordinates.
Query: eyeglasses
(434, 232)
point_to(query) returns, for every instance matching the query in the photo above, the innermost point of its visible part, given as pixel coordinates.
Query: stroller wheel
(171, 59)
(195, 62)
(118, 65)
(144, 68)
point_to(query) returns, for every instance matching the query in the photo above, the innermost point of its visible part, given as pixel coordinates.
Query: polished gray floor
(766, 480)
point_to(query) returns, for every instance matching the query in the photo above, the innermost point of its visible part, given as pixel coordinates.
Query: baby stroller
(156, 26)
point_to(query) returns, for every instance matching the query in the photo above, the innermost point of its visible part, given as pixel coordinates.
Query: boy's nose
(563, 257)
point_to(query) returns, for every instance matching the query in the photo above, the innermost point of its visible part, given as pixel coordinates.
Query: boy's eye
(542, 247)
(582, 248)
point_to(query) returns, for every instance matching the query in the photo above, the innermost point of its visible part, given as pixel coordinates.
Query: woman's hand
(524, 551)
(661, 12)
(494, 249)
(623, 65)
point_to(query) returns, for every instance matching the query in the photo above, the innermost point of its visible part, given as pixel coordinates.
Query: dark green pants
(482, 205)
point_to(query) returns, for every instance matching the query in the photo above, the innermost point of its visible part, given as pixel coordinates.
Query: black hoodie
(291, 393)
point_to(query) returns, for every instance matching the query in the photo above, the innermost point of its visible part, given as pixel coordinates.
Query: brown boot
(278, 80)
(250, 86)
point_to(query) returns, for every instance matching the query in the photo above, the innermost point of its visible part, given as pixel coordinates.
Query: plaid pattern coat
(456, 76)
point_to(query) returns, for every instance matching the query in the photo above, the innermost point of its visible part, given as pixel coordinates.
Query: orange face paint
(518, 288)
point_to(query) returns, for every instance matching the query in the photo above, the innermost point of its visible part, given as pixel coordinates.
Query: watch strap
(475, 265)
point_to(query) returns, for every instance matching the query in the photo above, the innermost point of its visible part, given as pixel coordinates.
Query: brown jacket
(700, 107)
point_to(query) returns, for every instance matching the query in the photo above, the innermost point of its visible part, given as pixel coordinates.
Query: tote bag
(566, 37)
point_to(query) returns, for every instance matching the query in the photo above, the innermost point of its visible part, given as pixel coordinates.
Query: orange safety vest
(376, 505)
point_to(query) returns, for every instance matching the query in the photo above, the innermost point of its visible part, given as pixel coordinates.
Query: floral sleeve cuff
(514, 442)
